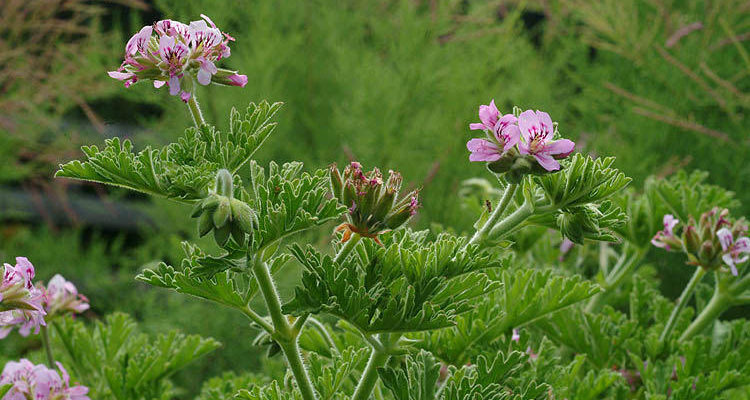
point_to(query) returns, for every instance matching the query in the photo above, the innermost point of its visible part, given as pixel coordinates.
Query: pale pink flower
(537, 132)
(170, 52)
(38, 382)
(20, 302)
(516, 336)
(502, 132)
(735, 251)
(62, 296)
(665, 238)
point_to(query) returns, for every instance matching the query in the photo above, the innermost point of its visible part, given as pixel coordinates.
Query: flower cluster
(710, 242)
(20, 302)
(512, 138)
(29, 381)
(374, 204)
(26, 306)
(176, 54)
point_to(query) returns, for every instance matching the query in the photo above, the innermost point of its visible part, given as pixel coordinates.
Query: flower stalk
(195, 111)
(684, 298)
(481, 233)
(282, 331)
(366, 384)
(47, 347)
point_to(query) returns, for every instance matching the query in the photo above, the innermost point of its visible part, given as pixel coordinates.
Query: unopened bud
(691, 240)
(224, 183)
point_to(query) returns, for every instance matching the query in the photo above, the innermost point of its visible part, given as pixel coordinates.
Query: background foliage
(661, 85)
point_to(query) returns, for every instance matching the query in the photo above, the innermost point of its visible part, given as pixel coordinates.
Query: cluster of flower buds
(711, 242)
(518, 144)
(20, 301)
(176, 54)
(38, 382)
(221, 213)
(374, 205)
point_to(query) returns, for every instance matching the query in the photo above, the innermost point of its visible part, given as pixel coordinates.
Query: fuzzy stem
(378, 358)
(282, 331)
(47, 347)
(195, 111)
(684, 298)
(614, 279)
(511, 222)
(347, 248)
(481, 233)
(719, 303)
(257, 319)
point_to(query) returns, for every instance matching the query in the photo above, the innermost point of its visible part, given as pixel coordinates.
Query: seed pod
(222, 213)
(197, 209)
(205, 224)
(221, 235)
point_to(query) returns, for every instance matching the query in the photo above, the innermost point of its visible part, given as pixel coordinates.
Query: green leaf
(409, 284)
(417, 381)
(5, 389)
(583, 180)
(183, 170)
(271, 391)
(688, 194)
(526, 296)
(338, 376)
(288, 201)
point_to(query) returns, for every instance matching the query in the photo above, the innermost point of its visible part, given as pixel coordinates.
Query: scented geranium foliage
(527, 306)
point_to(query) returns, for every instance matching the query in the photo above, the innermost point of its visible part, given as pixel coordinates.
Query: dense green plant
(424, 314)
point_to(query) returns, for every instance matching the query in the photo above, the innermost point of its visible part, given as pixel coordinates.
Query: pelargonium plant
(510, 310)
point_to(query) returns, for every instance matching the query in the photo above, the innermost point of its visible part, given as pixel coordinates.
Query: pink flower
(39, 382)
(516, 337)
(665, 238)
(20, 301)
(733, 250)
(171, 52)
(62, 296)
(502, 133)
(537, 132)
(237, 80)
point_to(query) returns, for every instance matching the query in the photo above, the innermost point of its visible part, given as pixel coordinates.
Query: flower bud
(690, 240)
(706, 253)
(224, 183)
(221, 213)
(373, 203)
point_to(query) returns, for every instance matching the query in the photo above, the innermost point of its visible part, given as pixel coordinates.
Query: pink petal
(120, 76)
(728, 260)
(158, 84)
(528, 123)
(511, 135)
(174, 85)
(562, 147)
(204, 76)
(546, 124)
(482, 150)
(547, 162)
(477, 126)
(725, 238)
(238, 80)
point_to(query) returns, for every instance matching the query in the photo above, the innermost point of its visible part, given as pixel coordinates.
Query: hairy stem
(195, 111)
(47, 347)
(378, 358)
(347, 248)
(257, 319)
(684, 298)
(719, 303)
(482, 232)
(282, 331)
(614, 279)
(511, 222)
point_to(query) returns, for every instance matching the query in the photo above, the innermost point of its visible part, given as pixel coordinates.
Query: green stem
(282, 331)
(684, 298)
(325, 334)
(294, 359)
(481, 233)
(347, 248)
(378, 358)
(195, 111)
(511, 222)
(719, 303)
(47, 347)
(257, 319)
(618, 273)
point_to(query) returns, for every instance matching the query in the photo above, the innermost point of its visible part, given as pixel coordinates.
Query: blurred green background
(661, 84)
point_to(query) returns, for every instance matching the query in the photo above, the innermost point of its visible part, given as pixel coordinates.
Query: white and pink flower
(38, 382)
(502, 132)
(666, 238)
(176, 54)
(21, 304)
(734, 251)
(537, 132)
